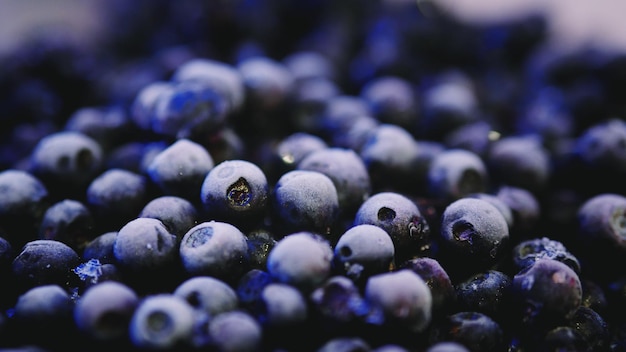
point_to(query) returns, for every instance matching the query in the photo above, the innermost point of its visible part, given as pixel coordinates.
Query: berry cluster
(315, 175)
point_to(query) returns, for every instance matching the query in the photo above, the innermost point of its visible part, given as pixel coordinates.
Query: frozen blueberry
(281, 305)
(403, 298)
(235, 331)
(67, 161)
(103, 311)
(592, 327)
(390, 154)
(601, 146)
(235, 191)
(250, 286)
(527, 252)
(260, 244)
(216, 249)
(43, 262)
(390, 348)
(188, 108)
(348, 173)
(145, 245)
(489, 292)
(134, 156)
(68, 221)
(46, 309)
(519, 161)
(547, 290)
(600, 219)
(143, 105)
(301, 259)
(294, 148)
(475, 331)
(392, 100)
(474, 234)
(563, 338)
(498, 203)
(109, 126)
(306, 65)
(345, 344)
(339, 114)
(267, 82)
(362, 251)
(115, 197)
(176, 213)
(222, 77)
(208, 294)
(101, 248)
(22, 205)
(305, 201)
(447, 346)
(443, 291)
(308, 100)
(162, 322)
(356, 133)
(400, 217)
(180, 169)
(525, 209)
(456, 173)
(476, 137)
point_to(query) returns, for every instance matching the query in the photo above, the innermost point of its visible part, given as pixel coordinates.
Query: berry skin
(235, 331)
(291, 150)
(216, 249)
(44, 262)
(101, 248)
(443, 291)
(208, 295)
(363, 250)
(161, 322)
(235, 191)
(447, 346)
(489, 293)
(177, 214)
(475, 331)
(345, 344)
(456, 173)
(476, 231)
(115, 197)
(68, 221)
(527, 252)
(267, 82)
(547, 291)
(347, 171)
(143, 105)
(400, 217)
(403, 298)
(180, 169)
(281, 305)
(301, 259)
(392, 100)
(305, 201)
(143, 244)
(104, 311)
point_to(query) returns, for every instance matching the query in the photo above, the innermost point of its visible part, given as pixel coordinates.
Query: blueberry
(475, 137)
(286, 154)
(390, 348)
(601, 146)
(498, 203)
(546, 291)
(345, 344)
(527, 252)
(235, 331)
(356, 133)
(403, 298)
(109, 126)
(143, 245)
(306, 65)
(44, 262)
(67, 161)
(308, 100)
(600, 219)
(177, 214)
(592, 327)
(456, 173)
(161, 322)
(339, 114)
(300, 259)
(281, 305)
(268, 82)
(475, 331)
(444, 296)
(347, 171)
(142, 108)
(260, 244)
(115, 197)
(22, 205)
(208, 295)
(101, 248)
(339, 304)
(68, 221)
(186, 109)
(364, 250)
(519, 161)
(104, 311)
(474, 234)
(400, 217)
(250, 286)
(216, 249)
(563, 338)
(305, 201)
(489, 292)
(180, 169)
(235, 191)
(390, 154)
(393, 100)
(524, 206)
(134, 156)
(222, 77)
(447, 346)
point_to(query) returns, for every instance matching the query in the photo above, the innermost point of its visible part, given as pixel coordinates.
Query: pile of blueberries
(311, 175)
